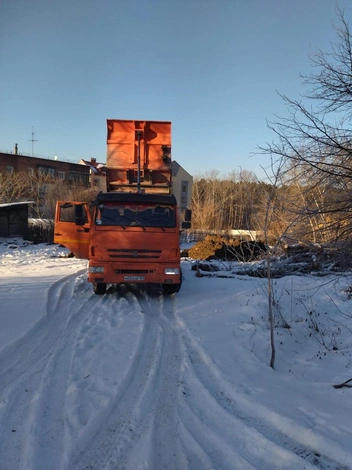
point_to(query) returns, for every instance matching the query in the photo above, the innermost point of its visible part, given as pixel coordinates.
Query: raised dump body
(131, 234)
(139, 156)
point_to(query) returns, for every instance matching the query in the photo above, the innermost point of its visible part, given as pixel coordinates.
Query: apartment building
(65, 171)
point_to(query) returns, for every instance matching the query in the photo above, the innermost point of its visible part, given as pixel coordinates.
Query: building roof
(176, 167)
(97, 168)
(12, 204)
(50, 159)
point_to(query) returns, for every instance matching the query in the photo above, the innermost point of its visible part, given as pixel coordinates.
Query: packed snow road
(138, 380)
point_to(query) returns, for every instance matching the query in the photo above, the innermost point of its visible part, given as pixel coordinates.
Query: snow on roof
(21, 203)
(95, 167)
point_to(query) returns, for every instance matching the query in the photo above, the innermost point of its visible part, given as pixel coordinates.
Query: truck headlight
(96, 269)
(171, 271)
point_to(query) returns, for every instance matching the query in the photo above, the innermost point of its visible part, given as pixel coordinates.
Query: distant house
(97, 174)
(181, 186)
(65, 171)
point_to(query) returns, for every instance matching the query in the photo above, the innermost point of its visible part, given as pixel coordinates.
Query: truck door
(72, 227)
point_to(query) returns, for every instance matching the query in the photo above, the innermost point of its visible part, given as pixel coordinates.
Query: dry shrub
(43, 190)
(216, 247)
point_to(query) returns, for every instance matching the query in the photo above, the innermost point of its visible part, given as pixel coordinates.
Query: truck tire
(172, 288)
(99, 288)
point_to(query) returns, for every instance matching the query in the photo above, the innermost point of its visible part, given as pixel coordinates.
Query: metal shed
(14, 219)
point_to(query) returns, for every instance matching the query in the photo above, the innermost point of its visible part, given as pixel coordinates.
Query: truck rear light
(174, 271)
(96, 269)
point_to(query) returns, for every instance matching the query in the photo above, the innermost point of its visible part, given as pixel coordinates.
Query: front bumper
(140, 273)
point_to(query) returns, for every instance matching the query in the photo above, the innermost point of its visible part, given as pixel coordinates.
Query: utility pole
(33, 140)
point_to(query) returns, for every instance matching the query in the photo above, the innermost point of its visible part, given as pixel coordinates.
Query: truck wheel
(171, 288)
(99, 288)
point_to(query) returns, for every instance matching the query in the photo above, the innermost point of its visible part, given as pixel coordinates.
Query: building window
(184, 194)
(43, 189)
(61, 175)
(9, 169)
(77, 176)
(46, 170)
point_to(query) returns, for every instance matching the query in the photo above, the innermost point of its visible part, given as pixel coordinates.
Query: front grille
(134, 254)
(134, 271)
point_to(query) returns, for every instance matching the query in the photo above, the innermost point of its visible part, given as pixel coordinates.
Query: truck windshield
(144, 215)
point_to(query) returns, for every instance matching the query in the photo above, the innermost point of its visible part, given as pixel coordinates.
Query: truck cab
(129, 238)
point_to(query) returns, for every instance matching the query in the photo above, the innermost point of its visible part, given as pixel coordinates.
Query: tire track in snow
(167, 452)
(16, 360)
(24, 353)
(90, 341)
(47, 442)
(223, 398)
(203, 447)
(224, 439)
(111, 433)
(45, 427)
(15, 411)
(146, 401)
(164, 451)
(197, 457)
(43, 373)
(170, 447)
(213, 444)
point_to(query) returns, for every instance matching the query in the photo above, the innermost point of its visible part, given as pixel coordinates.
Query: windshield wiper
(136, 223)
(106, 217)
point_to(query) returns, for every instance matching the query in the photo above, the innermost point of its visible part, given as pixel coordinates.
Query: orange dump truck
(131, 233)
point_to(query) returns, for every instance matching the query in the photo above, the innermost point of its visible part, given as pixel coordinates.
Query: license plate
(134, 278)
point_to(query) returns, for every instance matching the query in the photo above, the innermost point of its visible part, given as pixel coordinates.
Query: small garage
(14, 219)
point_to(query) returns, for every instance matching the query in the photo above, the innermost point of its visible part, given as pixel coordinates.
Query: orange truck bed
(152, 141)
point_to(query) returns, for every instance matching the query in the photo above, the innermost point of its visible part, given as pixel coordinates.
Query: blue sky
(212, 67)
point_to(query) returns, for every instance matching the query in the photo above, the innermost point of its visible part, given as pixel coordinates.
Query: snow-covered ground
(137, 380)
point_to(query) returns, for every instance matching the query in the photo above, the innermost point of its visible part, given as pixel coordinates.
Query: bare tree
(42, 190)
(316, 140)
(222, 203)
(274, 208)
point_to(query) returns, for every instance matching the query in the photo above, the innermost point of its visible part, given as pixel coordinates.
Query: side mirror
(80, 215)
(188, 215)
(186, 225)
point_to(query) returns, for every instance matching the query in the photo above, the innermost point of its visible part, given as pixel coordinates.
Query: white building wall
(181, 186)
